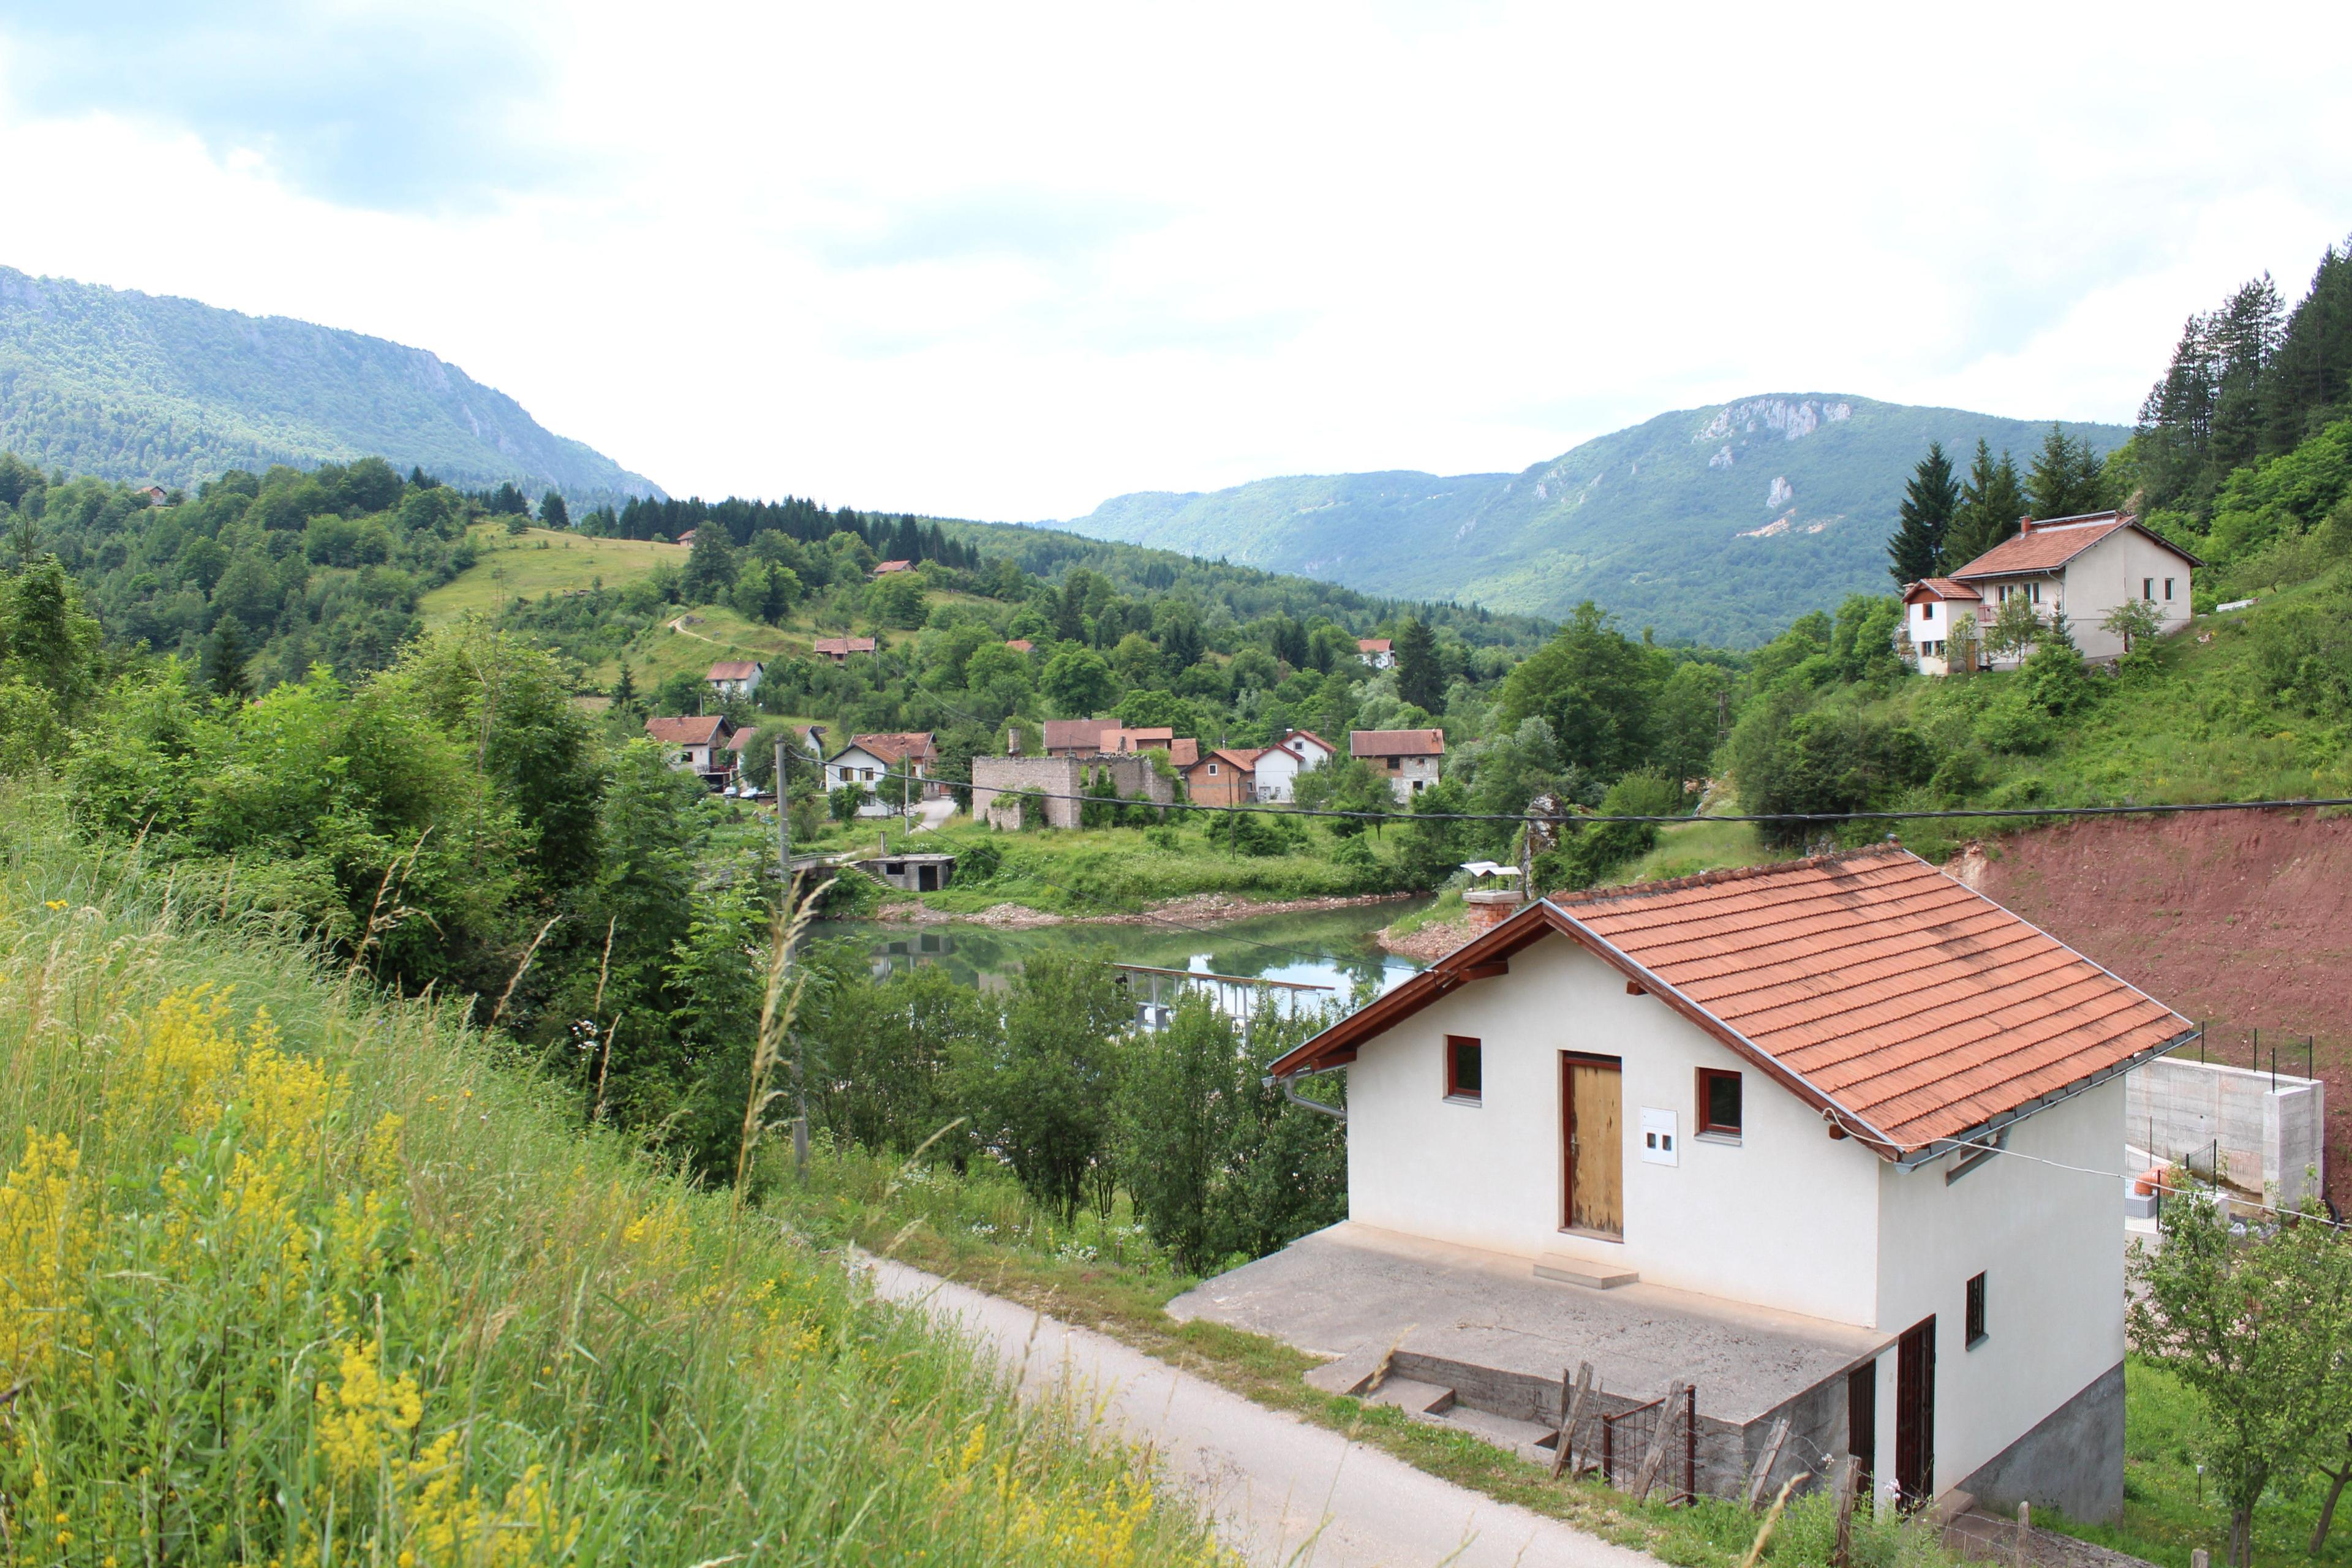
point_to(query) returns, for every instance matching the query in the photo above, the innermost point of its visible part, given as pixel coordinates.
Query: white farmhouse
(2083, 567)
(735, 677)
(1279, 765)
(1378, 652)
(697, 744)
(895, 769)
(1938, 613)
(1825, 1138)
(1408, 759)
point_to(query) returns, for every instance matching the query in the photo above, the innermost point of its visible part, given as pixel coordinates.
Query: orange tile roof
(1183, 751)
(2046, 546)
(733, 669)
(708, 729)
(842, 647)
(1904, 1006)
(899, 746)
(1371, 645)
(1942, 588)
(1396, 742)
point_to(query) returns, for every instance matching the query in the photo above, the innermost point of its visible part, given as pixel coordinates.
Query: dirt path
(1282, 1492)
(2239, 918)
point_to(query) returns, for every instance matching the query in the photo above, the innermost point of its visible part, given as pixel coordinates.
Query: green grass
(1101, 870)
(2165, 1516)
(289, 1272)
(1687, 848)
(1104, 1273)
(515, 566)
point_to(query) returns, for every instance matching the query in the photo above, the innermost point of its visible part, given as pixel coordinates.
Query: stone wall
(995, 780)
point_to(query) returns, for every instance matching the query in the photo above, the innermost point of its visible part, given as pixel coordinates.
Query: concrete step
(1579, 1271)
(1412, 1397)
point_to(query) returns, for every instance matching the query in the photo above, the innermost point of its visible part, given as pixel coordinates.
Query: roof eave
(1936, 1148)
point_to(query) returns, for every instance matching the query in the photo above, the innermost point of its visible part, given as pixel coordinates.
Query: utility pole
(791, 900)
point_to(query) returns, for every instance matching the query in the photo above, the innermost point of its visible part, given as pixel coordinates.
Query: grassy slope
(378, 1292)
(515, 566)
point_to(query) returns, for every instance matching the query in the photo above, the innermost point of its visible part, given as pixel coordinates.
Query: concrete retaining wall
(2270, 1138)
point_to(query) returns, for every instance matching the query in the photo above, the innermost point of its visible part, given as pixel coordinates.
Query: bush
(2302, 655)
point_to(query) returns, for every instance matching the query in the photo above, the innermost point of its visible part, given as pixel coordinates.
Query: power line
(1602, 819)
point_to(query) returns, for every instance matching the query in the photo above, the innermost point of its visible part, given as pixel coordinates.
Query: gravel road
(1283, 1491)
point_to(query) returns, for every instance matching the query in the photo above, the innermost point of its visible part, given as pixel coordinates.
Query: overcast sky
(1007, 261)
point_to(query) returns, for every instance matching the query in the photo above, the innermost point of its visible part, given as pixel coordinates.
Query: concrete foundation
(2073, 1461)
(1487, 1331)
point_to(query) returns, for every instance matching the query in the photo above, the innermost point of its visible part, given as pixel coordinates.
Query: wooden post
(1668, 1408)
(1849, 1468)
(2201, 1558)
(1766, 1457)
(1571, 1412)
(2024, 1532)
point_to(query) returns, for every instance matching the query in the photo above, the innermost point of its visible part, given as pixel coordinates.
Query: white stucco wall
(2115, 569)
(1276, 770)
(1786, 1218)
(2050, 1244)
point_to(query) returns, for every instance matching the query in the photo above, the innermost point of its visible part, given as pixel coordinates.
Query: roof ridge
(1727, 874)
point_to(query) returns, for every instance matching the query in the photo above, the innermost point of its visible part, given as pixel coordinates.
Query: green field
(539, 562)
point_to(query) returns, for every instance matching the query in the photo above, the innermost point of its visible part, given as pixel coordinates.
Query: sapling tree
(2136, 621)
(2254, 1329)
(2013, 628)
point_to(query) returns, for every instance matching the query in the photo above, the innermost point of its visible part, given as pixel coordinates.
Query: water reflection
(1332, 948)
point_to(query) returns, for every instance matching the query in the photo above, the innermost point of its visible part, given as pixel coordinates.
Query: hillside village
(474, 974)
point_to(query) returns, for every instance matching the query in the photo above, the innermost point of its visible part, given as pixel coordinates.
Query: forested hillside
(1714, 525)
(116, 385)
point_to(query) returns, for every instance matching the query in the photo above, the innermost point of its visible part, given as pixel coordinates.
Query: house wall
(1938, 631)
(1411, 771)
(2111, 572)
(1133, 776)
(2050, 1243)
(1277, 771)
(1229, 785)
(1786, 1218)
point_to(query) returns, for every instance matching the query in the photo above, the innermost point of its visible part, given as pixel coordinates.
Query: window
(1463, 1069)
(1927, 612)
(2167, 590)
(2147, 587)
(1396, 762)
(1212, 769)
(2035, 592)
(1976, 1311)
(1718, 1103)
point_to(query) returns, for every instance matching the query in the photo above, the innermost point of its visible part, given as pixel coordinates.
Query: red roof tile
(2046, 546)
(732, 670)
(841, 647)
(1371, 645)
(1906, 1007)
(708, 730)
(1396, 742)
(899, 746)
(1069, 734)
(1939, 588)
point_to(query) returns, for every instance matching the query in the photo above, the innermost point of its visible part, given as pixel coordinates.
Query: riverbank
(1193, 909)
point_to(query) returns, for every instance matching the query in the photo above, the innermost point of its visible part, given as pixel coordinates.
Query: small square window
(1718, 1103)
(1976, 1311)
(1465, 1069)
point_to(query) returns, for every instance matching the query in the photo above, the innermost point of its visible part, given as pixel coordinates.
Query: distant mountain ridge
(144, 388)
(1719, 524)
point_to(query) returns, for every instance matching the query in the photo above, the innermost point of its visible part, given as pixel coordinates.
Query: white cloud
(1005, 264)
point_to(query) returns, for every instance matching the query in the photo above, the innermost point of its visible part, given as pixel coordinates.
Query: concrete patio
(1481, 1340)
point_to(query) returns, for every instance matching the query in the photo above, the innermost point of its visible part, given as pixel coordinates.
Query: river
(1331, 949)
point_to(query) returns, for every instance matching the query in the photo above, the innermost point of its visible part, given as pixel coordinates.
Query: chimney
(2025, 525)
(1012, 740)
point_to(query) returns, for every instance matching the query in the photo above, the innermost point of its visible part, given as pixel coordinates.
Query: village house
(1937, 613)
(1376, 652)
(1407, 758)
(156, 495)
(1279, 765)
(1021, 645)
(698, 745)
(735, 677)
(886, 568)
(2081, 567)
(838, 649)
(894, 768)
(1825, 1141)
(1120, 742)
(1224, 776)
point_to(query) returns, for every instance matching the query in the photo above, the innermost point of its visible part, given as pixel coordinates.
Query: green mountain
(133, 386)
(1717, 524)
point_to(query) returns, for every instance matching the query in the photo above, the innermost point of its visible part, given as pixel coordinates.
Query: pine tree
(1930, 503)
(2312, 371)
(1992, 500)
(2067, 479)
(552, 513)
(226, 658)
(625, 691)
(1419, 681)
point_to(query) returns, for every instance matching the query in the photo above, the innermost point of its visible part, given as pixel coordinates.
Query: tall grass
(293, 1274)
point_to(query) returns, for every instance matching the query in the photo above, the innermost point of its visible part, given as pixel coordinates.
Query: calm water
(1331, 948)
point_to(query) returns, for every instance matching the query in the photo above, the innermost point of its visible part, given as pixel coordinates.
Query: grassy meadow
(291, 1272)
(539, 562)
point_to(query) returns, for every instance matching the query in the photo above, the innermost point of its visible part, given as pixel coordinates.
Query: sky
(1005, 262)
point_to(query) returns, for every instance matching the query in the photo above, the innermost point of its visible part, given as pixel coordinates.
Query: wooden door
(1593, 1147)
(1861, 1420)
(1915, 1413)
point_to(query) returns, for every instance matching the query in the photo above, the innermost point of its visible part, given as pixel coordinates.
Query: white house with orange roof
(1938, 613)
(2081, 567)
(1830, 1141)
(1278, 766)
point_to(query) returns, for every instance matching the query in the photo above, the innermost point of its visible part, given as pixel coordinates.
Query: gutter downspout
(1288, 1083)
